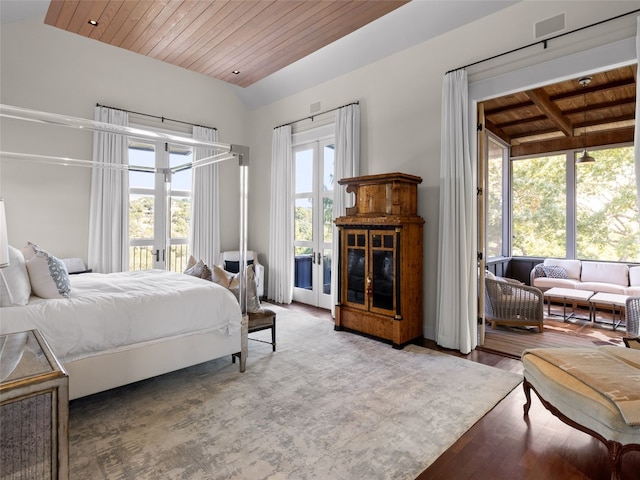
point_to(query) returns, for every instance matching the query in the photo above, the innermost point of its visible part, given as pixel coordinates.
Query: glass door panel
(313, 222)
(356, 255)
(383, 271)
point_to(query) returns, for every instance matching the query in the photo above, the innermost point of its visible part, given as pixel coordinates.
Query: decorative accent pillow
(48, 275)
(538, 271)
(232, 282)
(234, 266)
(15, 287)
(198, 269)
(553, 271)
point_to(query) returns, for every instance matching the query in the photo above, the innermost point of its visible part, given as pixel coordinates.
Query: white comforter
(111, 312)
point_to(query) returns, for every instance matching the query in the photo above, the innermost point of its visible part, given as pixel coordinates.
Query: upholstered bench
(596, 390)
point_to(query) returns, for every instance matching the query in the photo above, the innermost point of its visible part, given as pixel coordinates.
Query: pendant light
(585, 157)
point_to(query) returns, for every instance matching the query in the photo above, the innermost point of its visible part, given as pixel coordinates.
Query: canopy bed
(120, 328)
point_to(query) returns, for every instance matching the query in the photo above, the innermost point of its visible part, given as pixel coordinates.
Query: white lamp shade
(4, 242)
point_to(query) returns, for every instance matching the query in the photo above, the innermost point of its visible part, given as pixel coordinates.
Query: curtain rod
(156, 116)
(317, 114)
(544, 42)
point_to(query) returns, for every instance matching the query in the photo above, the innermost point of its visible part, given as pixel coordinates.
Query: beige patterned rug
(327, 405)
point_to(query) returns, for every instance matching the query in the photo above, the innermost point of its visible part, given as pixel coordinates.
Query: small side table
(34, 409)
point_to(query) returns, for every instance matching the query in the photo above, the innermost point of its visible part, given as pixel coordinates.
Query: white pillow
(15, 288)
(48, 274)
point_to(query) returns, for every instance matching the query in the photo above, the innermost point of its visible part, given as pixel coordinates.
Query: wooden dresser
(380, 264)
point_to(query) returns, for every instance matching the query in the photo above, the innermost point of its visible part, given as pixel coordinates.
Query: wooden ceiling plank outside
(174, 27)
(145, 22)
(156, 25)
(262, 25)
(294, 19)
(200, 33)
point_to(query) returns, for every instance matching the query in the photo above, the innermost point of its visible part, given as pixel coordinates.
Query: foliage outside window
(607, 225)
(538, 199)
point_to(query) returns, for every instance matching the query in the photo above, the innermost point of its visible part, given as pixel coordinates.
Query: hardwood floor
(506, 445)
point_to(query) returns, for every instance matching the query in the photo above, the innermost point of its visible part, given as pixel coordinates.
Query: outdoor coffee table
(567, 294)
(616, 301)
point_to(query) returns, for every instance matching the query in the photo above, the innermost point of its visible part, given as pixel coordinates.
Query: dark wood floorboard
(504, 444)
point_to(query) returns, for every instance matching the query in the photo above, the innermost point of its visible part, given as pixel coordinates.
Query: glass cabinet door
(355, 270)
(383, 270)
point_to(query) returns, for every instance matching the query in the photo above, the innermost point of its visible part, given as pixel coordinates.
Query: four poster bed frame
(101, 372)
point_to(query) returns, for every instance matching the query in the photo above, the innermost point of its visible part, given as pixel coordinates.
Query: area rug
(327, 405)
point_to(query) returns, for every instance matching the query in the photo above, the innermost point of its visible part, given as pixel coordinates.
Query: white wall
(45, 68)
(400, 98)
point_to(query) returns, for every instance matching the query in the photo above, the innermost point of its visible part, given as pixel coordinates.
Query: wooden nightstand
(34, 409)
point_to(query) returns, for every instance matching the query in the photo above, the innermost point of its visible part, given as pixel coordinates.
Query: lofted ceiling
(554, 117)
(237, 41)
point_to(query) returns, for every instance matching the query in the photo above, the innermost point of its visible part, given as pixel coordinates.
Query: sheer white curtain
(457, 267)
(109, 204)
(280, 287)
(347, 164)
(204, 241)
(636, 143)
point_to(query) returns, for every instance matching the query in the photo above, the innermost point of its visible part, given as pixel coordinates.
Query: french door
(313, 221)
(159, 205)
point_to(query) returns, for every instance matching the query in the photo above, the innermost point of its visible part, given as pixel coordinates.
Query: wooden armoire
(380, 262)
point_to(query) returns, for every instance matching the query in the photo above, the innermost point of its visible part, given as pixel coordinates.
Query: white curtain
(457, 265)
(109, 204)
(280, 285)
(347, 164)
(204, 243)
(636, 142)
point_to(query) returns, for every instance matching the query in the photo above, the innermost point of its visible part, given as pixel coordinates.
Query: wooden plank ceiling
(554, 117)
(219, 37)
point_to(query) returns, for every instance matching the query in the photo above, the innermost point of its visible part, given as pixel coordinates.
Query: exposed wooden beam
(544, 103)
(594, 139)
(498, 132)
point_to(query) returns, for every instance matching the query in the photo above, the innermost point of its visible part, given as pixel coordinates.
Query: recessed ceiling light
(236, 72)
(93, 22)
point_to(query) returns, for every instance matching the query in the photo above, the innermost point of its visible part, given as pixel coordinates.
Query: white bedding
(111, 312)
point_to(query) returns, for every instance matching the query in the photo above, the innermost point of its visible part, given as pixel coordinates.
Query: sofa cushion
(634, 276)
(602, 287)
(605, 272)
(544, 283)
(632, 291)
(571, 266)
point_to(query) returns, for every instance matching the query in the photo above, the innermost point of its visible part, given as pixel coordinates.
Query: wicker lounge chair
(508, 302)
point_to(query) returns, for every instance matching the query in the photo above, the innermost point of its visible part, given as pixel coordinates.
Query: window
(538, 199)
(498, 156)
(313, 216)
(607, 225)
(159, 205)
(588, 211)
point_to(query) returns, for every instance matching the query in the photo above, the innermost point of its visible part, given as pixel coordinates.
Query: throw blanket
(612, 371)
